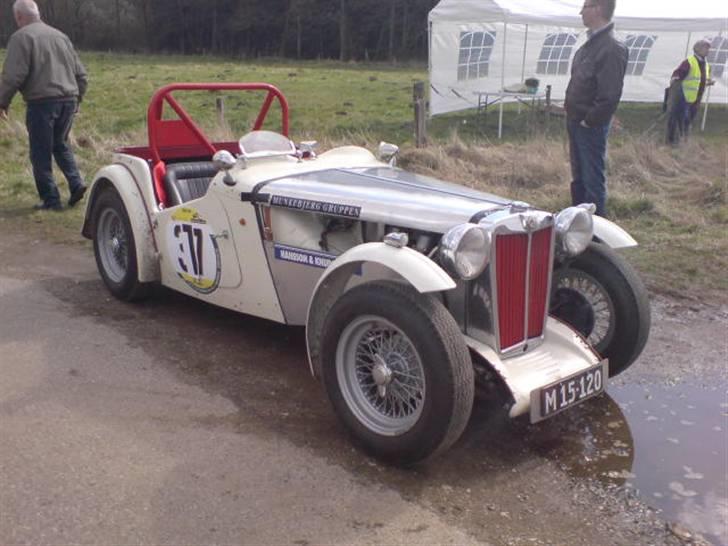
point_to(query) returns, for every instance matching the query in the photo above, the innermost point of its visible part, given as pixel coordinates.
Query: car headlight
(574, 229)
(465, 250)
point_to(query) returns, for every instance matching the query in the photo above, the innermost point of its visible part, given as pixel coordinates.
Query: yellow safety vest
(691, 83)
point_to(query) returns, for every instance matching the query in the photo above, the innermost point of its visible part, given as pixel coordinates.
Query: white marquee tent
(486, 45)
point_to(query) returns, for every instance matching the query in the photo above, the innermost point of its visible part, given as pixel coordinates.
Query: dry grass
(672, 200)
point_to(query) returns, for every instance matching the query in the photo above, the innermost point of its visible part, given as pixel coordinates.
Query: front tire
(115, 248)
(601, 296)
(397, 371)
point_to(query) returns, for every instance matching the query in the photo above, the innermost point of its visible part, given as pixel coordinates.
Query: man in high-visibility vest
(688, 82)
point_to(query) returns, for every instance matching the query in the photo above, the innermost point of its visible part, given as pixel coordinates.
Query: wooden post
(418, 95)
(548, 106)
(220, 107)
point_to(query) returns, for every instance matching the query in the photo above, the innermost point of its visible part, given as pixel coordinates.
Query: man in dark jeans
(592, 96)
(42, 64)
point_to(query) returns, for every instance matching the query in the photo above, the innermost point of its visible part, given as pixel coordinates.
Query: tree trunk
(298, 36)
(343, 31)
(117, 13)
(404, 46)
(284, 34)
(392, 16)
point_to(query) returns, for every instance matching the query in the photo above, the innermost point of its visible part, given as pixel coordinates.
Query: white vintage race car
(413, 291)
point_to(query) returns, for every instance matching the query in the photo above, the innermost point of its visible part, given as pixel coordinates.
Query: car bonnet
(380, 194)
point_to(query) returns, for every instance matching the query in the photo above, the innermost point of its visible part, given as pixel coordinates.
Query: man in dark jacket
(592, 96)
(42, 64)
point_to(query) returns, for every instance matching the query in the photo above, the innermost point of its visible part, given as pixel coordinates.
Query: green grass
(672, 201)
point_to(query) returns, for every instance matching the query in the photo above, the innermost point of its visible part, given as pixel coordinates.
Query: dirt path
(175, 421)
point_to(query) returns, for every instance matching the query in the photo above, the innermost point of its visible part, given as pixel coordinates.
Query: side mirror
(224, 161)
(388, 152)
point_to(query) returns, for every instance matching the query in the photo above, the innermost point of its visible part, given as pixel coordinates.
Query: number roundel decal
(193, 250)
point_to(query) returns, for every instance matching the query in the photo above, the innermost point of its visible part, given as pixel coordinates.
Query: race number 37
(195, 254)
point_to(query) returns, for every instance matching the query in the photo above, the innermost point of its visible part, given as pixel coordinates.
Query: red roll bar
(184, 136)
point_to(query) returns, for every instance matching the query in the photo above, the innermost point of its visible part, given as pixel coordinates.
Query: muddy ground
(176, 422)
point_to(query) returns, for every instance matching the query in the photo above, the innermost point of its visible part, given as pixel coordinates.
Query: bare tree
(343, 31)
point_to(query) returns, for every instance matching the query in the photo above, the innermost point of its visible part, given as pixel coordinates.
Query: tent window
(718, 56)
(555, 53)
(639, 46)
(474, 57)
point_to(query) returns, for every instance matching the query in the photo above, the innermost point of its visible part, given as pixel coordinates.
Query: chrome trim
(450, 246)
(396, 239)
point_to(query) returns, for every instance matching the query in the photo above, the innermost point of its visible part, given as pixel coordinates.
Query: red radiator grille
(538, 290)
(510, 259)
(512, 263)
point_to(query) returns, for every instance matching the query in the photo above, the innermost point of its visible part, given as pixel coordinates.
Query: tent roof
(657, 15)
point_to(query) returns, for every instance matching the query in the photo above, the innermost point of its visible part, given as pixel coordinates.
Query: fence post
(548, 106)
(418, 95)
(220, 107)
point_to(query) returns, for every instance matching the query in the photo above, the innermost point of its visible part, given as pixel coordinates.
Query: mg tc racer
(414, 292)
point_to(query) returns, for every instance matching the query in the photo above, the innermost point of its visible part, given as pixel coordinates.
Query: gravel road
(173, 422)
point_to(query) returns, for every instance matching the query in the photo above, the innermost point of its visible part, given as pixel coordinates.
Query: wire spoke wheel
(381, 375)
(601, 296)
(113, 245)
(397, 371)
(581, 296)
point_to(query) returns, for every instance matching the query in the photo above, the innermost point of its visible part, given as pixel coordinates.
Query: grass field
(674, 201)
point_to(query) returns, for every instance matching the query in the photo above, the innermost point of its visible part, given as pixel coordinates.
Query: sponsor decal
(323, 207)
(304, 257)
(194, 251)
(187, 215)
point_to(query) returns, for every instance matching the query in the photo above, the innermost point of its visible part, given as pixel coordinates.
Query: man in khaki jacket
(42, 64)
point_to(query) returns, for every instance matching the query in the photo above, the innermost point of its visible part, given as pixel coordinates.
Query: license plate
(568, 392)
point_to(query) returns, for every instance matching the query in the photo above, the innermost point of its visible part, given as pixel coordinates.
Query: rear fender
(611, 234)
(122, 179)
(407, 264)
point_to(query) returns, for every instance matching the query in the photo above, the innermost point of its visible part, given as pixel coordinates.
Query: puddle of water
(668, 444)
(681, 453)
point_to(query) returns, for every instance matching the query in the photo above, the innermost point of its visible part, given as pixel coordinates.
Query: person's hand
(584, 124)
(4, 114)
(711, 81)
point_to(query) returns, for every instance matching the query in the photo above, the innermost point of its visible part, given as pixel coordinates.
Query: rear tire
(601, 296)
(397, 371)
(115, 248)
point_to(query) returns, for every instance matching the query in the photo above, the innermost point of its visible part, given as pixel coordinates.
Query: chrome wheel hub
(381, 375)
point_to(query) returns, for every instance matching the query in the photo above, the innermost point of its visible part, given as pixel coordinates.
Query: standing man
(592, 96)
(41, 63)
(689, 82)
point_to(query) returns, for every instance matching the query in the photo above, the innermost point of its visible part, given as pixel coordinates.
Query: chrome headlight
(465, 250)
(574, 229)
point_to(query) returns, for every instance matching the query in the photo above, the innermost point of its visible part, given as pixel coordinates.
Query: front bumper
(562, 354)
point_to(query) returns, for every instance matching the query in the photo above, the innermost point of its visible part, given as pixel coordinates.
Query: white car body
(283, 235)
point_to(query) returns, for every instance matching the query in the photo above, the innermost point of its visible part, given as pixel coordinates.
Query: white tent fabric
(486, 45)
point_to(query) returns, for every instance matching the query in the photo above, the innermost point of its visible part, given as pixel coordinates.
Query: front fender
(611, 234)
(413, 267)
(121, 179)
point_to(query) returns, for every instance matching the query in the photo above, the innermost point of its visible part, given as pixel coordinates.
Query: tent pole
(687, 45)
(523, 63)
(503, 78)
(705, 111)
